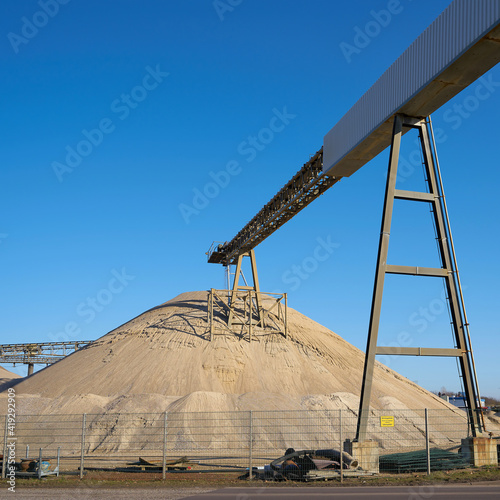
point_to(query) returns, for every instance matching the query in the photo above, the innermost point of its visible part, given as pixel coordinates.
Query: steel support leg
(451, 285)
(383, 248)
(237, 287)
(234, 291)
(448, 272)
(256, 287)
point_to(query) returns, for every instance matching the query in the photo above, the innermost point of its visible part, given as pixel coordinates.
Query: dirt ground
(94, 480)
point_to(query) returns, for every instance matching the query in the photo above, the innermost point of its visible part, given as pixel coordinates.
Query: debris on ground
(309, 465)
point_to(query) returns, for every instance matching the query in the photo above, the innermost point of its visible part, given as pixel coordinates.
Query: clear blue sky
(145, 102)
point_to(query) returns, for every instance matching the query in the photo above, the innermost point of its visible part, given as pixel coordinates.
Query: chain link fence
(408, 440)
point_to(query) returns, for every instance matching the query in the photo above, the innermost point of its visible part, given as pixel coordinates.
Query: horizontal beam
(417, 271)
(419, 351)
(27, 360)
(413, 195)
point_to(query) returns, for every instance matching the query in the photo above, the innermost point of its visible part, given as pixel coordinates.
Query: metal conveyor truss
(304, 187)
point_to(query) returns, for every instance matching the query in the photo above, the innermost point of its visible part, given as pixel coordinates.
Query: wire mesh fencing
(406, 440)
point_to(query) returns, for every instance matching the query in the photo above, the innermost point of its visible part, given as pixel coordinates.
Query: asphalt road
(105, 493)
(432, 492)
(459, 492)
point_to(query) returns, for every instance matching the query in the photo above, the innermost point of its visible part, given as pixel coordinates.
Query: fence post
(250, 447)
(341, 448)
(427, 447)
(84, 422)
(40, 464)
(164, 464)
(5, 459)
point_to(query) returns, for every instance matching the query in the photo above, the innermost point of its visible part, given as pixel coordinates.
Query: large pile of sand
(164, 359)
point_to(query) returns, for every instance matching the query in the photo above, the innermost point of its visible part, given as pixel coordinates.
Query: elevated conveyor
(460, 46)
(304, 187)
(39, 352)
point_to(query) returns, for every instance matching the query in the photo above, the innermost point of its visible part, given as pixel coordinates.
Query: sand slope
(7, 378)
(163, 359)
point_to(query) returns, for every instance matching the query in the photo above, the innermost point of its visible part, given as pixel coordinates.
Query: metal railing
(248, 319)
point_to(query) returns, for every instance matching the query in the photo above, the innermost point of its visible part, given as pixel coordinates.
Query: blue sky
(117, 114)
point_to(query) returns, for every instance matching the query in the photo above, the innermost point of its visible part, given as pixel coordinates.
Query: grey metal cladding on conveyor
(460, 45)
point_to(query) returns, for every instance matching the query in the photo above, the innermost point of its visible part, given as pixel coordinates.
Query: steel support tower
(448, 272)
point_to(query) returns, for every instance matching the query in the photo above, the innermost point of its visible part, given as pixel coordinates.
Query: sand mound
(7, 378)
(163, 360)
(166, 352)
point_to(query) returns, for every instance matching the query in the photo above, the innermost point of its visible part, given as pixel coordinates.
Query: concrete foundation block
(480, 451)
(366, 453)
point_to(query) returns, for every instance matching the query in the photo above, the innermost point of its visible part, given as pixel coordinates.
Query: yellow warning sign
(386, 421)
